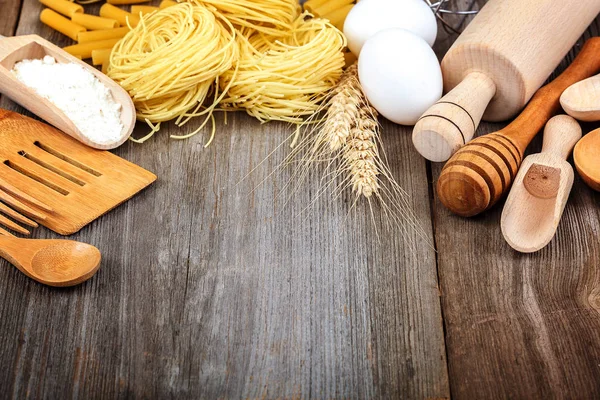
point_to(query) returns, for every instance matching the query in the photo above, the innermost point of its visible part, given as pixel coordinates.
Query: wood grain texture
(215, 286)
(522, 326)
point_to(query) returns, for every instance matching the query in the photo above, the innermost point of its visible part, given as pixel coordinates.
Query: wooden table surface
(215, 286)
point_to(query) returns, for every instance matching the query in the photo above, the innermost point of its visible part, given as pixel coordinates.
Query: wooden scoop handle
(561, 134)
(479, 174)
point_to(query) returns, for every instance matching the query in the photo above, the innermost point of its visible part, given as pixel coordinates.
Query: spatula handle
(545, 102)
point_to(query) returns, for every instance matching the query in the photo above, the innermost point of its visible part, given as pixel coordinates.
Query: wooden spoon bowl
(587, 159)
(18, 48)
(52, 262)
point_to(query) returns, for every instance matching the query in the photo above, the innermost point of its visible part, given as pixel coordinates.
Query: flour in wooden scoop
(77, 93)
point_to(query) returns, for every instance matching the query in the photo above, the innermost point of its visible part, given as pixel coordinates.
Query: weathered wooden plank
(522, 326)
(10, 15)
(213, 287)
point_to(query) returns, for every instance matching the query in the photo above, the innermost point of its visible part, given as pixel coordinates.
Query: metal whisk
(453, 14)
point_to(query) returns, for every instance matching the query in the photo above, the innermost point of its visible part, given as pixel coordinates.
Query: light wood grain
(541, 189)
(481, 172)
(59, 263)
(78, 184)
(515, 44)
(27, 47)
(582, 100)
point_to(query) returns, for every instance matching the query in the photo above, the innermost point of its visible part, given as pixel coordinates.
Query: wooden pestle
(477, 176)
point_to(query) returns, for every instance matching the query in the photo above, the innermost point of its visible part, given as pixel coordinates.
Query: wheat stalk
(360, 152)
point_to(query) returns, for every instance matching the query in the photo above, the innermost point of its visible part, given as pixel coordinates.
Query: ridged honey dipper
(477, 176)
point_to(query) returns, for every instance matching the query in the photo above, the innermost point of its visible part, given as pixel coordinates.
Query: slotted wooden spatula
(75, 184)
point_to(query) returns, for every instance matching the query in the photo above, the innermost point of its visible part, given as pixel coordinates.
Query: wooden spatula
(70, 182)
(541, 189)
(18, 48)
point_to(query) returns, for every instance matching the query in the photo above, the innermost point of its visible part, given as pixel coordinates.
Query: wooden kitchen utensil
(15, 49)
(477, 176)
(538, 197)
(51, 262)
(503, 56)
(587, 159)
(582, 99)
(74, 183)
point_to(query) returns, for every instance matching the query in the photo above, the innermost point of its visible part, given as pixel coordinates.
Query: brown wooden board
(522, 326)
(212, 286)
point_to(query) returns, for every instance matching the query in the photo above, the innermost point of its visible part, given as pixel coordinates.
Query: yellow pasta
(338, 16)
(63, 6)
(286, 79)
(100, 56)
(136, 10)
(271, 17)
(311, 5)
(94, 36)
(105, 67)
(167, 3)
(94, 22)
(122, 2)
(124, 18)
(60, 23)
(170, 62)
(331, 6)
(85, 49)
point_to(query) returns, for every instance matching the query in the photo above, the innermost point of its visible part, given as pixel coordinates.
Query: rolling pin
(479, 174)
(495, 66)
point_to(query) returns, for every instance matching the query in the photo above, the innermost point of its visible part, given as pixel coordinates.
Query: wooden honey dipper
(477, 176)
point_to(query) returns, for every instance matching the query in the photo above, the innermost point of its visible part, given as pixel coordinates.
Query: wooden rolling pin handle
(451, 122)
(560, 136)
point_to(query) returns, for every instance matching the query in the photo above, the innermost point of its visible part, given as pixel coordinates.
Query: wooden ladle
(541, 189)
(51, 262)
(18, 48)
(587, 159)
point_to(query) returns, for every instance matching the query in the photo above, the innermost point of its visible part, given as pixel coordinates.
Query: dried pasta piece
(60, 23)
(94, 22)
(63, 7)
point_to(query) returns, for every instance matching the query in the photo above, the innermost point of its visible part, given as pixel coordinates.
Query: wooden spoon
(541, 189)
(587, 159)
(51, 262)
(18, 48)
(582, 99)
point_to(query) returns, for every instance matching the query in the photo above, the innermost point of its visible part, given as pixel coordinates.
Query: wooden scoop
(478, 175)
(51, 262)
(541, 189)
(18, 48)
(582, 100)
(587, 159)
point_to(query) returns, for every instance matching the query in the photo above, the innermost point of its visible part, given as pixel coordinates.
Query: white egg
(371, 16)
(400, 75)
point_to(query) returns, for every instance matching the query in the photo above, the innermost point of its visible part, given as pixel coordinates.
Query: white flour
(78, 93)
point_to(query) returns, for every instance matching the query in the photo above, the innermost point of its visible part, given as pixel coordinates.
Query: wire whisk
(445, 9)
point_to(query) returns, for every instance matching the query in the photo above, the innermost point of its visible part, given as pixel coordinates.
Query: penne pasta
(112, 12)
(60, 23)
(63, 7)
(122, 2)
(331, 6)
(338, 16)
(136, 10)
(94, 36)
(85, 49)
(94, 22)
(167, 3)
(100, 56)
(311, 5)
